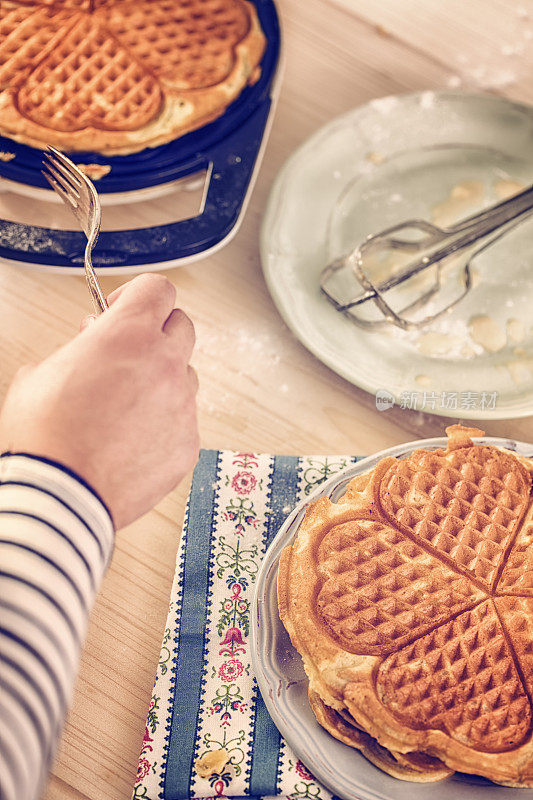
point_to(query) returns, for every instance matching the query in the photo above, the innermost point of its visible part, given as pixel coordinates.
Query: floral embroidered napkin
(205, 697)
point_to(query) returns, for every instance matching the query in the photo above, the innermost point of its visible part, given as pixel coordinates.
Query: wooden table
(259, 387)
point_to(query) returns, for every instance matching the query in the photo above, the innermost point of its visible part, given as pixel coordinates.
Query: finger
(193, 379)
(115, 294)
(180, 329)
(87, 321)
(151, 295)
(24, 370)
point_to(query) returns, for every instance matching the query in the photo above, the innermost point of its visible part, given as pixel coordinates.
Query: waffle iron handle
(230, 166)
(230, 170)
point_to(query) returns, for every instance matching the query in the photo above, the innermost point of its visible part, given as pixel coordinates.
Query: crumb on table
(211, 763)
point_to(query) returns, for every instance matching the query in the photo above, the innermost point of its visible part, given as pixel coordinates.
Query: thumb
(150, 295)
(87, 321)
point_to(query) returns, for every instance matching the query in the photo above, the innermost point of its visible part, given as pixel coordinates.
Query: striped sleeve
(56, 540)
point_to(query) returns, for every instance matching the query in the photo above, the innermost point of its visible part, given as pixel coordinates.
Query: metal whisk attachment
(416, 257)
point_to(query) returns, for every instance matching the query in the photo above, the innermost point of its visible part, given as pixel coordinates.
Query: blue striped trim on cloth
(266, 737)
(189, 651)
(190, 640)
(192, 614)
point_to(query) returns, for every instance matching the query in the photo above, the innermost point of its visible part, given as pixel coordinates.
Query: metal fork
(78, 194)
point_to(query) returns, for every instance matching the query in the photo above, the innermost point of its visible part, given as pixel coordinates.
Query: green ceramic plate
(396, 158)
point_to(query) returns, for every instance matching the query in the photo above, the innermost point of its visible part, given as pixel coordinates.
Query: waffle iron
(229, 149)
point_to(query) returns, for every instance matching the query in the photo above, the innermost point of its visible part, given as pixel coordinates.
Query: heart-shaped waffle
(410, 600)
(381, 589)
(88, 81)
(460, 679)
(465, 505)
(115, 77)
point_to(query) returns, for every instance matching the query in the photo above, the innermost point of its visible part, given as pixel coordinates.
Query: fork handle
(99, 301)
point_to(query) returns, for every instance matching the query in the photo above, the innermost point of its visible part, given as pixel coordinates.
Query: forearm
(56, 538)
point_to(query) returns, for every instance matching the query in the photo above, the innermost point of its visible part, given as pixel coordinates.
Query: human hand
(117, 403)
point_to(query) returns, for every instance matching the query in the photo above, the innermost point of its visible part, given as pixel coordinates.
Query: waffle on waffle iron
(116, 76)
(410, 600)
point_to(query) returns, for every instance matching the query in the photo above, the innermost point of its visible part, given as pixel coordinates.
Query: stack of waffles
(410, 600)
(116, 76)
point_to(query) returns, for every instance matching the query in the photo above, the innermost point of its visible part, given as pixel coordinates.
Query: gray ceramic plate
(390, 160)
(283, 684)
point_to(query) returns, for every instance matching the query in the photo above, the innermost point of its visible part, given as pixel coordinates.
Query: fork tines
(60, 172)
(78, 194)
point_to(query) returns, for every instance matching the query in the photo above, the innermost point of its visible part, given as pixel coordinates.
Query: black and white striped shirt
(56, 540)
